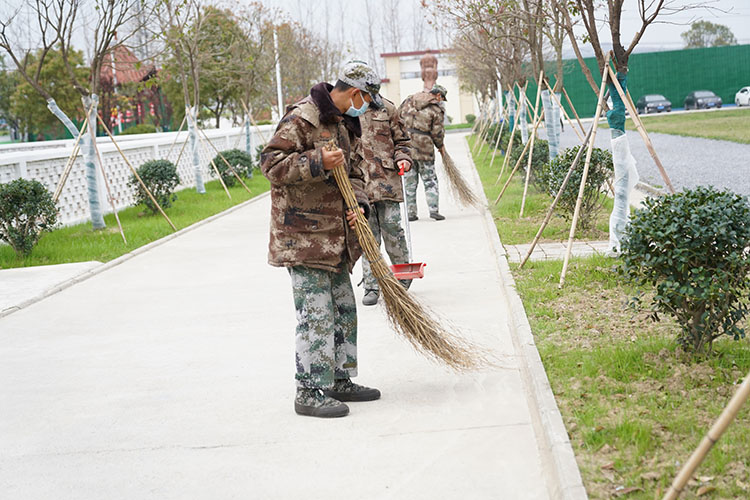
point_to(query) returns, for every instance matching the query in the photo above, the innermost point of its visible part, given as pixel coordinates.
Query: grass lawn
(726, 125)
(515, 231)
(458, 125)
(80, 243)
(634, 407)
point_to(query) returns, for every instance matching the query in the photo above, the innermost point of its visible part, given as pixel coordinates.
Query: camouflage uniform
(384, 144)
(310, 236)
(423, 117)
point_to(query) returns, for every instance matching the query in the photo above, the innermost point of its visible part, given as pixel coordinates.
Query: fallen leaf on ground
(704, 490)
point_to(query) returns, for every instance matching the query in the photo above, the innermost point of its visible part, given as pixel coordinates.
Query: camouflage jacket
(308, 216)
(423, 119)
(384, 144)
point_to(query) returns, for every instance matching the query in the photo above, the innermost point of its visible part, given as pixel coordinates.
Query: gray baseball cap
(361, 76)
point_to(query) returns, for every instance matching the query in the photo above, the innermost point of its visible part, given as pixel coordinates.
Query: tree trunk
(91, 103)
(193, 137)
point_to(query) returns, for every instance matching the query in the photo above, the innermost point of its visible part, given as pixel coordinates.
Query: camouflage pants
(425, 170)
(385, 222)
(326, 337)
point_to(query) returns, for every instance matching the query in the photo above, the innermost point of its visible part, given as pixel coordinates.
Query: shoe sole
(309, 411)
(352, 398)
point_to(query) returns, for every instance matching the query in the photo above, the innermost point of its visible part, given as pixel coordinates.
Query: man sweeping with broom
(423, 117)
(311, 234)
(386, 148)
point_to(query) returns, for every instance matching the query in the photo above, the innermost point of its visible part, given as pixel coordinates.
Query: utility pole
(278, 74)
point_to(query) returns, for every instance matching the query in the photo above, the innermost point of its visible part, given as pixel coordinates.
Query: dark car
(653, 103)
(702, 99)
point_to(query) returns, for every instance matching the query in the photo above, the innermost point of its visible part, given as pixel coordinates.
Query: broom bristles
(405, 314)
(458, 185)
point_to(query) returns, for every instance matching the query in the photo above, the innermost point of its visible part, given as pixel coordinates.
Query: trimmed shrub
(143, 128)
(551, 176)
(26, 211)
(692, 247)
(241, 162)
(539, 160)
(470, 118)
(160, 176)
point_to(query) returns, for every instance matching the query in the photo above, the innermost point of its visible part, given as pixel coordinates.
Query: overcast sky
(347, 21)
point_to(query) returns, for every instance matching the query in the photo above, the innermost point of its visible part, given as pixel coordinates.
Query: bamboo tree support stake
(552, 207)
(184, 118)
(520, 159)
(109, 193)
(252, 120)
(216, 170)
(482, 129)
(135, 172)
(531, 150)
(572, 108)
(70, 162)
(528, 103)
(230, 167)
(714, 434)
(497, 141)
(497, 116)
(587, 163)
(559, 104)
(641, 129)
(510, 141)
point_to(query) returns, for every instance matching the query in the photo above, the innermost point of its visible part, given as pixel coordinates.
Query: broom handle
(405, 213)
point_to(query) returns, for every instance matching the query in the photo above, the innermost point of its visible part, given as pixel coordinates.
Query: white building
(403, 77)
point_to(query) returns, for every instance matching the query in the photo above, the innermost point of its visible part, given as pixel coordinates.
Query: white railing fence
(45, 162)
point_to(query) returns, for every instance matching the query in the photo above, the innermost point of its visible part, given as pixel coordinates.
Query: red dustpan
(410, 270)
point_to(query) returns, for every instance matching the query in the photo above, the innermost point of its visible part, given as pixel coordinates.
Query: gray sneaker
(371, 297)
(436, 216)
(346, 390)
(313, 403)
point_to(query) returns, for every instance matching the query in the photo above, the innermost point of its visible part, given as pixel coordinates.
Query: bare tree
(56, 21)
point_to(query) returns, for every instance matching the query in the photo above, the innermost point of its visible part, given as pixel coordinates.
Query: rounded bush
(160, 176)
(241, 162)
(692, 247)
(143, 128)
(26, 211)
(551, 177)
(470, 118)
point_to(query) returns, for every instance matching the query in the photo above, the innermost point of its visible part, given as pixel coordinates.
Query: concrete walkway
(171, 376)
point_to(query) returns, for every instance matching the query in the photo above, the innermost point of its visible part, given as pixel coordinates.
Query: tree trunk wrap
(90, 103)
(511, 110)
(193, 136)
(248, 144)
(626, 177)
(551, 124)
(616, 115)
(522, 121)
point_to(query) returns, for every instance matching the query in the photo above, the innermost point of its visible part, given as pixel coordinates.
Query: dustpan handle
(404, 212)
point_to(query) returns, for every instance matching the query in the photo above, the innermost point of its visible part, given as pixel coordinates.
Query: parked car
(653, 103)
(702, 99)
(742, 97)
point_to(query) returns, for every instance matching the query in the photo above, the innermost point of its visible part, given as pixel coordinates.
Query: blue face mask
(354, 112)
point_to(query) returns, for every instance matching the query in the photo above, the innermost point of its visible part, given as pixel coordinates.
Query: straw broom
(459, 187)
(407, 316)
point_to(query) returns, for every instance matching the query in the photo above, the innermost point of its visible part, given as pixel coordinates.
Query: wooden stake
(184, 118)
(216, 170)
(572, 108)
(484, 129)
(231, 169)
(520, 159)
(714, 434)
(109, 194)
(552, 207)
(586, 165)
(531, 151)
(70, 162)
(135, 173)
(559, 105)
(497, 116)
(641, 129)
(497, 142)
(252, 120)
(510, 141)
